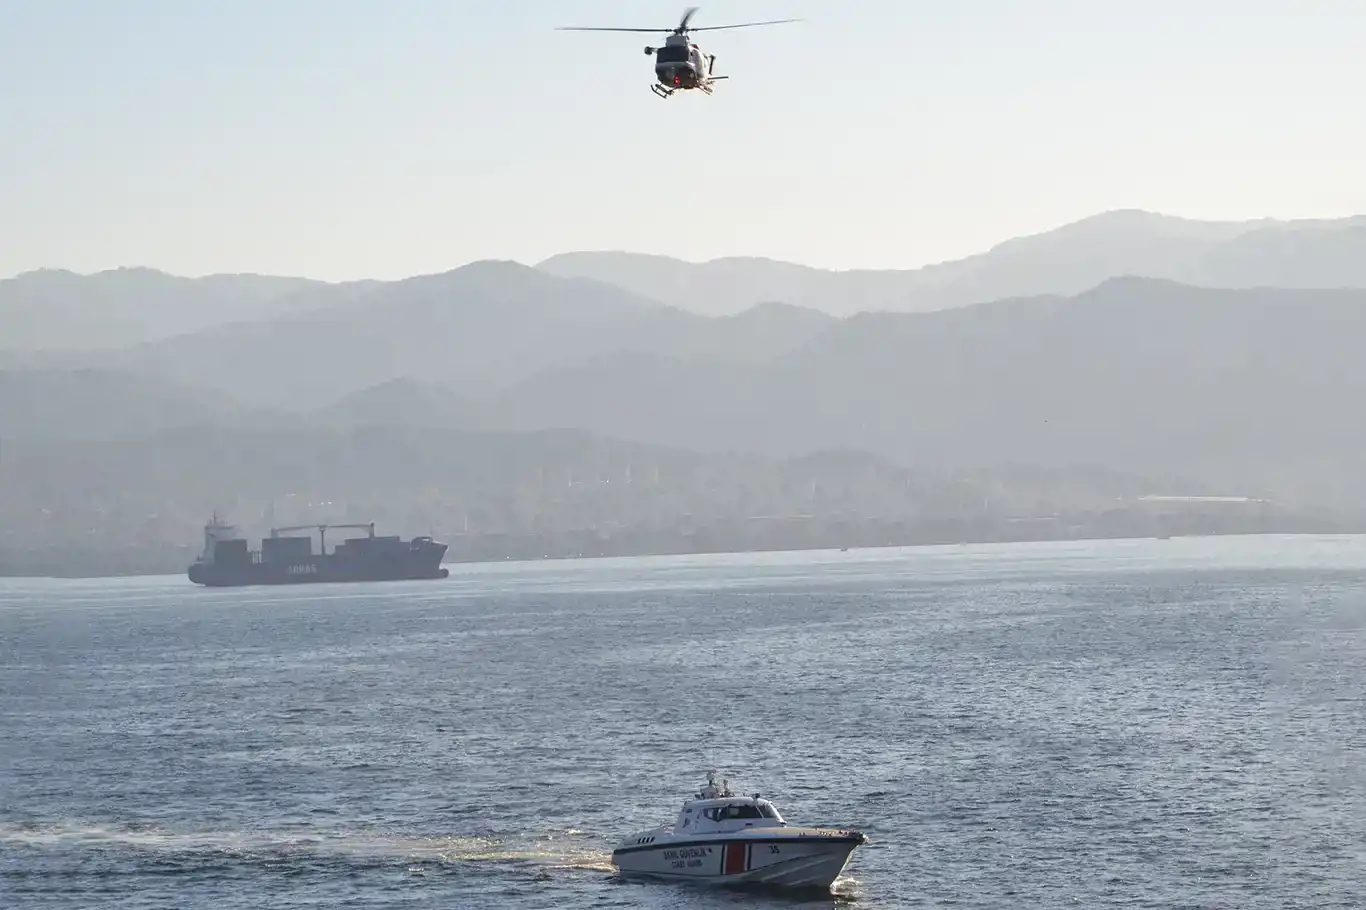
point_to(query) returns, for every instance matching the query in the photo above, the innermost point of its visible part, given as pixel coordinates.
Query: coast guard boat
(721, 838)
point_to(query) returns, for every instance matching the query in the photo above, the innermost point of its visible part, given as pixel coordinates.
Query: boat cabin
(715, 810)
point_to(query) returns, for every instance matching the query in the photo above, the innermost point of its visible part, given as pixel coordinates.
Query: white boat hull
(785, 857)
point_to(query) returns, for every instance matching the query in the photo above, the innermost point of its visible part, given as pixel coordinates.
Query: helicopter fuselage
(678, 64)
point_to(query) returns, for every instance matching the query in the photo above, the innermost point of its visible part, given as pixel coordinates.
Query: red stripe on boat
(735, 859)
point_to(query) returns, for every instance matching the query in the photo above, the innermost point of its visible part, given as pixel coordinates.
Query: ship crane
(322, 531)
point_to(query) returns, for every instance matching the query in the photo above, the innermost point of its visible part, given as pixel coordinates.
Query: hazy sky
(341, 139)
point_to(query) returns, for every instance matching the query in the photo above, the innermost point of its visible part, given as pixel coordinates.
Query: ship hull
(784, 857)
(318, 570)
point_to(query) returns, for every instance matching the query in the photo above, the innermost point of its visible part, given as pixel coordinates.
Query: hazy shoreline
(924, 545)
(1047, 392)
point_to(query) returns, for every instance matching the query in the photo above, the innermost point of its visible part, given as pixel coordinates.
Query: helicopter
(678, 64)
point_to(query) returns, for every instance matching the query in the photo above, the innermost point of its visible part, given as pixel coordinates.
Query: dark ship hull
(316, 571)
(227, 563)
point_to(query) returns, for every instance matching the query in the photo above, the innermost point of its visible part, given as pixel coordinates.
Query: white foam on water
(553, 850)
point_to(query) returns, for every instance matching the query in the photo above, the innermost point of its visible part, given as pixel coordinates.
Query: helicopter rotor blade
(580, 28)
(680, 29)
(717, 28)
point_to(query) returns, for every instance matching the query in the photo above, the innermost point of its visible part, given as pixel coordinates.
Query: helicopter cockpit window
(671, 54)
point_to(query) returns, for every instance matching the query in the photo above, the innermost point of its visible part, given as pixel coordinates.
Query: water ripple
(1136, 724)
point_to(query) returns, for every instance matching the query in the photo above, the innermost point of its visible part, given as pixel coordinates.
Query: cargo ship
(289, 560)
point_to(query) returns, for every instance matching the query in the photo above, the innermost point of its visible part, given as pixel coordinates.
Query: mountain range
(479, 328)
(57, 310)
(1072, 357)
(1064, 261)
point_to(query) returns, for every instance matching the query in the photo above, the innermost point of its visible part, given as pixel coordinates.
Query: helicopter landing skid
(664, 92)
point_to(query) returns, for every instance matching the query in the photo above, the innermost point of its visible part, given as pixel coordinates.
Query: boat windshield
(768, 811)
(741, 811)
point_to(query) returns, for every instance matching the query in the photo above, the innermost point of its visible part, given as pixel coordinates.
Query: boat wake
(563, 850)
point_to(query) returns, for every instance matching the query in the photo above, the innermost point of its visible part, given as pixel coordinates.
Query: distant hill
(1065, 261)
(1045, 416)
(1135, 374)
(475, 329)
(91, 404)
(401, 403)
(1234, 388)
(642, 400)
(732, 285)
(60, 310)
(137, 504)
